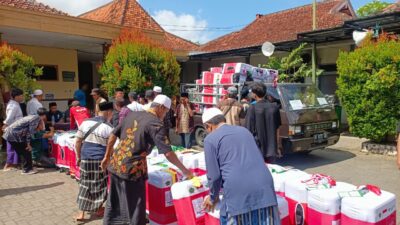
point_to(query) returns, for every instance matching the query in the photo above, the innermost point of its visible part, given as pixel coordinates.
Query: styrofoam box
(370, 209)
(324, 204)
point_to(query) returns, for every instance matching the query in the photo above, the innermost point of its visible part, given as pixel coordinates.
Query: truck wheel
(199, 135)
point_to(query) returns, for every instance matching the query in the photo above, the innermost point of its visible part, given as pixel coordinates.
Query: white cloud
(74, 7)
(184, 25)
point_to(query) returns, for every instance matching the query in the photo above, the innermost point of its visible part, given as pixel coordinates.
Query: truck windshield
(302, 96)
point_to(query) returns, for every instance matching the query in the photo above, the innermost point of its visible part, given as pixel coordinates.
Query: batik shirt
(22, 130)
(138, 134)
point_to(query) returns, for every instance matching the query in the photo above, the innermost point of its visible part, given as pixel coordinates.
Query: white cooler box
(370, 209)
(324, 205)
(188, 201)
(159, 198)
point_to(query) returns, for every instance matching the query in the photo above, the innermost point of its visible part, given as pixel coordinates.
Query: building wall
(65, 60)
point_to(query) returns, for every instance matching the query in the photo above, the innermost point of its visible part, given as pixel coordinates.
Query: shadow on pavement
(21, 190)
(314, 159)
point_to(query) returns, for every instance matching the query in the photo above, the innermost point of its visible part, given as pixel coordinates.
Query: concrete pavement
(50, 197)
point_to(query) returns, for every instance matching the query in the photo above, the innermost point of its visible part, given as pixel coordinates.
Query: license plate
(319, 137)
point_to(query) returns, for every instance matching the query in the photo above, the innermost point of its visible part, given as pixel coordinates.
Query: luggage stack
(213, 83)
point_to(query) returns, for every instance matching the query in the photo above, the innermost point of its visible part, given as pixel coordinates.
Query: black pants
(20, 148)
(126, 203)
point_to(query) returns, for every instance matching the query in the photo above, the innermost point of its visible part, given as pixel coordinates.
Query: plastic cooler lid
(283, 207)
(280, 179)
(186, 189)
(370, 208)
(328, 201)
(294, 188)
(160, 179)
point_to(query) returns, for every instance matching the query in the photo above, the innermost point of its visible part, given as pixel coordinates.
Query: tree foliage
(17, 69)
(372, 8)
(134, 62)
(369, 88)
(292, 68)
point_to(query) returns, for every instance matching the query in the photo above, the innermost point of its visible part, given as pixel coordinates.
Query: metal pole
(314, 46)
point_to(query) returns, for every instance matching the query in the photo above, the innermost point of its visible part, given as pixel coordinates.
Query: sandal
(80, 217)
(100, 212)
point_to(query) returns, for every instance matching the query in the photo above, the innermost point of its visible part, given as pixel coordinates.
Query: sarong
(92, 186)
(12, 156)
(264, 216)
(126, 203)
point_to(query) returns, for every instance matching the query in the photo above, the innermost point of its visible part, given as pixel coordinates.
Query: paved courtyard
(49, 197)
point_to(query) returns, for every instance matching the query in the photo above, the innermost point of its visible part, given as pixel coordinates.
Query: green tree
(17, 70)
(136, 63)
(372, 8)
(292, 68)
(369, 88)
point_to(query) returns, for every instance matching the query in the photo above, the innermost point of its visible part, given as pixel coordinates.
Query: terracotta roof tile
(283, 26)
(395, 7)
(130, 13)
(32, 5)
(178, 43)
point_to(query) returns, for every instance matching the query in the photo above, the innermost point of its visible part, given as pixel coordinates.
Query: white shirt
(147, 106)
(13, 112)
(33, 106)
(135, 106)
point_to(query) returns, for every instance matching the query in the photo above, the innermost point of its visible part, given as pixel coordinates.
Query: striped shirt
(94, 146)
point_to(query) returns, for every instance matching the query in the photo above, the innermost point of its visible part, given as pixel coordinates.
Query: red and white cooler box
(209, 95)
(324, 204)
(283, 207)
(213, 218)
(188, 201)
(370, 209)
(160, 204)
(216, 69)
(210, 77)
(264, 75)
(280, 175)
(296, 194)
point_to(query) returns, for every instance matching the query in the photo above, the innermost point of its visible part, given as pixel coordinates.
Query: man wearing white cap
(35, 103)
(138, 134)
(157, 90)
(235, 164)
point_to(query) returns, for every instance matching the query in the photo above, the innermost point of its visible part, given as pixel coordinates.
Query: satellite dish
(359, 36)
(268, 49)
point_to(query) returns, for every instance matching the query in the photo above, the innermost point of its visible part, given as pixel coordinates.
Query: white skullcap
(163, 100)
(157, 89)
(37, 92)
(210, 113)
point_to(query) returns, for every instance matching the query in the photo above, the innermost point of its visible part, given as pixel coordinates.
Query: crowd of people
(235, 156)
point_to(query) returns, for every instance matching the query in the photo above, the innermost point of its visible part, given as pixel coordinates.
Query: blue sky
(198, 20)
